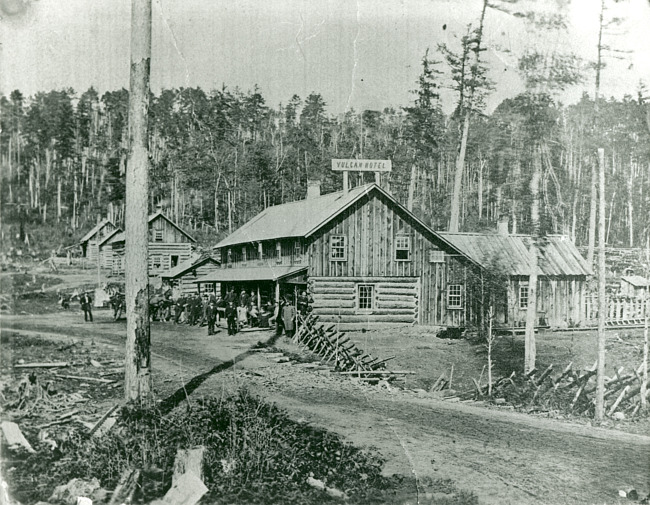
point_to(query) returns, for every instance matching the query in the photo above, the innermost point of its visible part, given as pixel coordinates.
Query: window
(173, 260)
(365, 296)
(455, 296)
(523, 296)
(297, 252)
(402, 248)
(278, 252)
(157, 235)
(436, 256)
(208, 288)
(156, 261)
(338, 248)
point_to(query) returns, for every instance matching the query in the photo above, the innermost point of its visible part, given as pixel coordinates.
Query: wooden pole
(137, 375)
(646, 323)
(602, 302)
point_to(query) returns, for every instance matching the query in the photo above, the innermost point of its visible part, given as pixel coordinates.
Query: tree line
(220, 157)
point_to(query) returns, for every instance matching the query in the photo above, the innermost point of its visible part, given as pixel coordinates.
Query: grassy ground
(418, 349)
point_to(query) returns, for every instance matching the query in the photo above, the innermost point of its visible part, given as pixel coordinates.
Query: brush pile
(571, 391)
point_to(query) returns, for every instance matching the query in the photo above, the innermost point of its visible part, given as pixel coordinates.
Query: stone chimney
(313, 189)
(502, 226)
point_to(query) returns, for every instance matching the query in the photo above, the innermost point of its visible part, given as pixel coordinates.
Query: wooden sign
(354, 165)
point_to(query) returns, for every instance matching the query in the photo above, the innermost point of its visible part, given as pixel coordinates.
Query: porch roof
(265, 273)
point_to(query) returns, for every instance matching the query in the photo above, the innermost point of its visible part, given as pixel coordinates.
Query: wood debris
(15, 437)
(53, 364)
(336, 348)
(570, 391)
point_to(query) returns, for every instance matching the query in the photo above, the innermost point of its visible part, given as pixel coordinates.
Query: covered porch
(266, 283)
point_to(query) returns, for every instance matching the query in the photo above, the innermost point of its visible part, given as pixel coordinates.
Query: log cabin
(365, 259)
(182, 278)
(91, 241)
(169, 245)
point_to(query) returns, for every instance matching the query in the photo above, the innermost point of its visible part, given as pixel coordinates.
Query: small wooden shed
(90, 241)
(635, 286)
(182, 278)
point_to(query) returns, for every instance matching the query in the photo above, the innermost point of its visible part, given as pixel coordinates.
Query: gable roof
(637, 281)
(95, 230)
(110, 236)
(195, 261)
(295, 219)
(152, 217)
(558, 255)
(305, 217)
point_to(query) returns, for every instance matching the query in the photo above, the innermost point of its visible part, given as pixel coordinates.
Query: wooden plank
(15, 437)
(188, 461)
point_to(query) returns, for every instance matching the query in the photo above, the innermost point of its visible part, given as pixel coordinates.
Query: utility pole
(137, 374)
(602, 300)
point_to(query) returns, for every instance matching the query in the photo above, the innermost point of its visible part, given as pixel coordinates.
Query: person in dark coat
(86, 305)
(277, 317)
(289, 319)
(178, 309)
(211, 316)
(230, 297)
(231, 316)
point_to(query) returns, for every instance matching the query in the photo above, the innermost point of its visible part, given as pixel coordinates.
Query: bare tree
(137, 375)
(602, 301)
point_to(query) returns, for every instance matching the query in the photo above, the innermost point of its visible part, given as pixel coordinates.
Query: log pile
(337, 349)
(569, 391)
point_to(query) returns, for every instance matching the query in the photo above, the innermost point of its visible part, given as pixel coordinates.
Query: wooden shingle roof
(558, 256)
(121, 237)
(95, 230)
(295, 219)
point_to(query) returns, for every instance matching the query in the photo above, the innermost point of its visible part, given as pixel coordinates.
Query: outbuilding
(169, 246)
(100, 232)
(182, 278)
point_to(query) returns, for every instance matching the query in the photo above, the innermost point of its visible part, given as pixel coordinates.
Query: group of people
(240, 311)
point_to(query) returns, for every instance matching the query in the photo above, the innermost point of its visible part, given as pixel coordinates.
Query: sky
(361, 54)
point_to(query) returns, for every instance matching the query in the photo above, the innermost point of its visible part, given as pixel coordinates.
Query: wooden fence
(620, 310)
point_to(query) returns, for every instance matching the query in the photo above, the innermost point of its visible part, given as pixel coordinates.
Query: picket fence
(620, 310)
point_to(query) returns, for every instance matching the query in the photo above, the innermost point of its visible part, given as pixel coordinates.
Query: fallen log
(618, 400)
(99, 423)
(90, 379)
(53, 364)
(126, 487)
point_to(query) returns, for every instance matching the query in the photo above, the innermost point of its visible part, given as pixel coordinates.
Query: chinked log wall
(396, 300)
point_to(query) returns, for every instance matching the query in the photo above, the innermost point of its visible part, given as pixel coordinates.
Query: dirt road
(502, 456)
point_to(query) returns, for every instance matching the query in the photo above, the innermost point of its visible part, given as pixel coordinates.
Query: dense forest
(219, 157)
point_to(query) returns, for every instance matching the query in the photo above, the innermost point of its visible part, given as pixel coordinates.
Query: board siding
(371, 226)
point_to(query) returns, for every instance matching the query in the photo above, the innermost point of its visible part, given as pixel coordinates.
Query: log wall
(396, 300)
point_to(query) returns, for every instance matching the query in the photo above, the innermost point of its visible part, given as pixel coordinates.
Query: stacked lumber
(569, 391)
(337, 349)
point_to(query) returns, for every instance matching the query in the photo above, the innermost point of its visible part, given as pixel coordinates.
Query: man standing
(288, 318)
(86, 305)
(231, 316)
(211, 315)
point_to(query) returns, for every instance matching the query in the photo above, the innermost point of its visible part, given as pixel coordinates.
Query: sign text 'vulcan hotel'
(362, 165)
